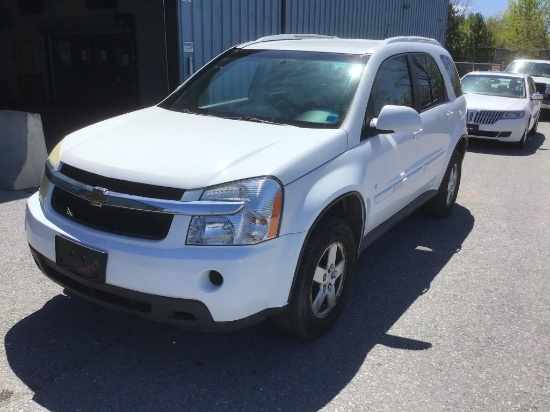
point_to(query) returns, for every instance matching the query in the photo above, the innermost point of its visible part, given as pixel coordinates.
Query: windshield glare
(504, 86)
(306, 89)
(530, 68)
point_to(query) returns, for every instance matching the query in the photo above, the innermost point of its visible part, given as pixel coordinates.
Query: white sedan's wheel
(521, 143)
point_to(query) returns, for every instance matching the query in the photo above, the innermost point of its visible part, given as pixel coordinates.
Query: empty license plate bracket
(84, 261)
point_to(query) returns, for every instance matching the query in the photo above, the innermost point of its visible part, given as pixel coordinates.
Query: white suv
(250, 191)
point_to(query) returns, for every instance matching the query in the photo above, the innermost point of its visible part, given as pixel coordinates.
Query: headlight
(55, 155)
(257, 221)
(513, 115)
(53, 159)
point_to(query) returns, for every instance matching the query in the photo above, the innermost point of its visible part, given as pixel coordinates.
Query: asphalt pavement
(444, 315)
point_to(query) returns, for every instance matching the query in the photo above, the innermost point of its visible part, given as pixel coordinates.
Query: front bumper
(502, 130)
(168, 280)
(188, 313)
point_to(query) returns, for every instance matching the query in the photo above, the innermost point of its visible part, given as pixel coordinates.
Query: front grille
(122, 186)
(126, 222)
(484, 116)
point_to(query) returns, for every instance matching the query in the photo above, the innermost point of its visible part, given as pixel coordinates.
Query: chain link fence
(467, 67)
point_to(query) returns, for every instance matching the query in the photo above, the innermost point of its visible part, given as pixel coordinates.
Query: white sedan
(501, 106)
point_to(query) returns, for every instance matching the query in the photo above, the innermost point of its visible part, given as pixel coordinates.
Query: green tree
(454, 41)
(479, 44)
(527, 26)
(468, 36)
(497, 28)
(545, 8)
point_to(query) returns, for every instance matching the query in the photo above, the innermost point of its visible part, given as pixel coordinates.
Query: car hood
(538, 79)
(484, 102)
(162, 147)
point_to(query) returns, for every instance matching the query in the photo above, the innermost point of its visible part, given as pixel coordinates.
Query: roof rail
(411, 39)
(276, 37)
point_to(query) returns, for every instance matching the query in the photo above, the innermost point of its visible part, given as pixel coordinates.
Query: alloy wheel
(328, 280)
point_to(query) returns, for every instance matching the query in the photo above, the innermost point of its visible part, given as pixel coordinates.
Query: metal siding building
(208, 27)
(373, 19)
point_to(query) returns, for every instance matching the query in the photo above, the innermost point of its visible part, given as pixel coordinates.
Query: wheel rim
(328, 280)
(451, 187)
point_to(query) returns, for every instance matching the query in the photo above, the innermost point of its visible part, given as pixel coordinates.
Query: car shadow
(76, 356)
(11, 195)
(532, 145)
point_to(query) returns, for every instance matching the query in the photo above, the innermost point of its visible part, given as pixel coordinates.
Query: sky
(488, 7)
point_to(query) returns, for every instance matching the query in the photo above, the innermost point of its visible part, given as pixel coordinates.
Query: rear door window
(429, 81)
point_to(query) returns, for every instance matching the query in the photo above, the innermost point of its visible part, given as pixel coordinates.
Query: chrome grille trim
(146, 204)
(484, 116)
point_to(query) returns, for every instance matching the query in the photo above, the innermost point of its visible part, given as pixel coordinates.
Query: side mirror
(537, 96)
(394, 119)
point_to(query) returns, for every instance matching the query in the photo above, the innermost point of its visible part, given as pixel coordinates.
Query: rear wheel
(322, 280)
(442, 203)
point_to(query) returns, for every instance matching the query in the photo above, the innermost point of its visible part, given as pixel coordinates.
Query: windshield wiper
(254, 119)
(182, 110)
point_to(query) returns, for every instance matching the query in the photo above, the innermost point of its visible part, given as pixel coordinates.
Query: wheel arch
(462, 145)
(351, 208)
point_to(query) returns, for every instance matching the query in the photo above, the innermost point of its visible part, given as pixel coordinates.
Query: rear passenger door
(438, 116)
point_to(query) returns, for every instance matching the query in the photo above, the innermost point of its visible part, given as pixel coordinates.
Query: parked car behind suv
(250, 191)
(539, 70)
(501, 106)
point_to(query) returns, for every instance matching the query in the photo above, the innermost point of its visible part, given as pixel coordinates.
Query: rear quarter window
(451, 70)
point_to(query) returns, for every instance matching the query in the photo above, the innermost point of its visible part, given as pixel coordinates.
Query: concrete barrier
(22, 150)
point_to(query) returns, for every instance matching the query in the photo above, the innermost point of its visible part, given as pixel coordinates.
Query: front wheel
(521, 143)
(535, 126)
(322, 280)
(442, 203)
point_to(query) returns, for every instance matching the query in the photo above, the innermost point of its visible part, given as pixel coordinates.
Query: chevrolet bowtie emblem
(97, 196)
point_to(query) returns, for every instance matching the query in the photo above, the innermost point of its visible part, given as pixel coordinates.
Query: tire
(535, 126)
(521, 143)
(442, 203)
(322, 281)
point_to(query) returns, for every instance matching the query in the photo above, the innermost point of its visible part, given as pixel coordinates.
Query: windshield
(306, 89)
(530, 68)
(494, 85)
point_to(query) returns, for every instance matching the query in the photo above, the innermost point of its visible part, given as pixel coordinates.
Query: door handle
(418, 134)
